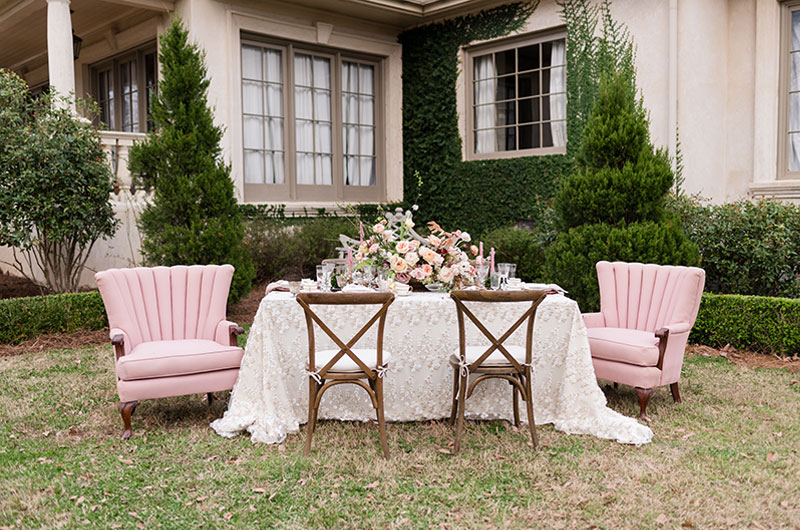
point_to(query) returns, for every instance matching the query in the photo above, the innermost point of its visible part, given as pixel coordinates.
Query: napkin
(280, 285)
(352, 288)
(544, 287)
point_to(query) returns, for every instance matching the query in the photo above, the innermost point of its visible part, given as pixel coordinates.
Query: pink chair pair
(169, 332)
(646, 313)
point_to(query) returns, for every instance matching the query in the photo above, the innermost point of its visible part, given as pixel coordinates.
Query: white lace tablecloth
(270, 398)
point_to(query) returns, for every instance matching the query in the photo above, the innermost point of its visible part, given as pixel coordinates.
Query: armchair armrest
(594, 320)
(228, 333)
(680, 327)
(663, 335)
(118, 341)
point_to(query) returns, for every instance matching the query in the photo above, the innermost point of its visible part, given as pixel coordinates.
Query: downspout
(672, 90)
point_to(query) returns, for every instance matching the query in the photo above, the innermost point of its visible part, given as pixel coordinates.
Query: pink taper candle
(361, 230)
(480, 261)
(349, 259)
(491, 260)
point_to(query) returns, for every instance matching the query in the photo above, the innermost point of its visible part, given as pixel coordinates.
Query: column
(60, 61)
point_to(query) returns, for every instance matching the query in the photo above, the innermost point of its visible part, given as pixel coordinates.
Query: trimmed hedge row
(756, 323)
(25, 318)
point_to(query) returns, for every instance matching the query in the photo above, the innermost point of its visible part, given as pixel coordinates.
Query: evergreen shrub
(25, 318)
(613, 206)
(194, 217)
(750, 248)
(520, 246)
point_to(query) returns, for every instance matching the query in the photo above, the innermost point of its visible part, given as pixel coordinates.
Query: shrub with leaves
(749, 248)
(193, 217)
(613, 206)
(520, 246)
(55, 183)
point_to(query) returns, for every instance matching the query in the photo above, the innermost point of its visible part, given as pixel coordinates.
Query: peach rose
(378, 228)
(398, 264)
(433, 240)
(404, 247)
(373, 248)
(446, 274)
(474, 250)
(412, 258)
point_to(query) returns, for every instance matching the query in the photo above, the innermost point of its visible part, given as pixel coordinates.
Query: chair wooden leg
(529, 403)
(381, 421)
(616, 386)
(676, 395)
(454, 406)
(514, 397)
(644, 396)
(126, 410)
(210, 396)
(462, 396)
(313, 388)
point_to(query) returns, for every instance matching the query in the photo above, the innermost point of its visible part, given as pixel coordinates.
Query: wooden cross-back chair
(346, 364)
(498, 361)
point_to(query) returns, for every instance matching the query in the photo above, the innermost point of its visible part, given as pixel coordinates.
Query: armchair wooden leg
(126, 410)
(676, 395)
(313, 388)
(644, 396)
(210, 398)
(454, 406)
(381, 419)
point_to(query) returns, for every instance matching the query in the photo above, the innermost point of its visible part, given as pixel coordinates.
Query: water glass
(324, 278)
(503, 271)
(512, 270)
(341, 276)
(495, 282)
(482, 271)
(368, 272)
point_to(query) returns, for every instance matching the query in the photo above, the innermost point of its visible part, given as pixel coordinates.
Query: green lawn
(725, 458)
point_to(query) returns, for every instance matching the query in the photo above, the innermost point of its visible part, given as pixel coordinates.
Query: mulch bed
(17, 287)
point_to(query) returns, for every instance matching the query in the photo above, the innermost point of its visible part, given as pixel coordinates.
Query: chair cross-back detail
(328, 368)
(498, 361)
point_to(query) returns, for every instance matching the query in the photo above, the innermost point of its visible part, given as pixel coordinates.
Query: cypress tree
(193, 217)
(612, 207)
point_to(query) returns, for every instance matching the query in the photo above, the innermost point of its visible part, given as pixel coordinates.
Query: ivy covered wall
(476, 196)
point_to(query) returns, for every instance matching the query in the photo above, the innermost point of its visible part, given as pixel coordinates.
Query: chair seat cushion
(346, 363)
(629, 346)
(168, 358)
(473, 353)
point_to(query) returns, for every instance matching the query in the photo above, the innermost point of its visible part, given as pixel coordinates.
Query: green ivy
(474, 196)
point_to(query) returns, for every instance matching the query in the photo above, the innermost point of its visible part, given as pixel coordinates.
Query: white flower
(412, 258)
(433, 240)
(466, 237)
(415, 207)
(409, 223)
(446, 274)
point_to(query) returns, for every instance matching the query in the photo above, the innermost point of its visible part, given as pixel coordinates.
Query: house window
(309, 120)
(789, 151)
(124, 87)
(517, 98)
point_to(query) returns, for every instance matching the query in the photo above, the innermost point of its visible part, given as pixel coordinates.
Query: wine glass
(502, 271)
(368, 274)
(321, 277)
(340, 273)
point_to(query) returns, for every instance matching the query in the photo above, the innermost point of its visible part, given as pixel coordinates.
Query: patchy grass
(726, 457)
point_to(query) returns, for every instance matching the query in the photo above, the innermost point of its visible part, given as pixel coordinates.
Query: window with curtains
(789, 142)
(517, 98)
(309, 124)
(124, 87)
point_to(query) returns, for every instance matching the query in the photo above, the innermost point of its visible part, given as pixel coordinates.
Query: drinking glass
(494, 281)
(512, 270)
(502, 272)
(340, 273)
(482, 271)
(321, 277)
(368, 272)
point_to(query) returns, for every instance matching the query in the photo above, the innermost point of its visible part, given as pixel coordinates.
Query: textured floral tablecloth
(270, 398)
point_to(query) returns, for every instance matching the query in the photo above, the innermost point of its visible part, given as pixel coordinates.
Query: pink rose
(373, 248)
(412, 258)
(474, 250)
(427, 254)
(378, 228)
(398, 264)
(446, 274)
(433, 240)
(415, 243)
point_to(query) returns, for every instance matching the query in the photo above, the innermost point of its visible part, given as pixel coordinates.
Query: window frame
(470, 52)
(290, 190)
(112, 64)
(784, 80)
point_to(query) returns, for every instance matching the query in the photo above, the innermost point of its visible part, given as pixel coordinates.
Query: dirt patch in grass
(747, 358)
(55, 341)
(244, 311)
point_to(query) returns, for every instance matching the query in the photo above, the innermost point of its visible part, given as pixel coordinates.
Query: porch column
(60, 61)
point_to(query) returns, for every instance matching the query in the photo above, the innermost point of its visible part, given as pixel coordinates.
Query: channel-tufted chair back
(648, 297)
(165, 303)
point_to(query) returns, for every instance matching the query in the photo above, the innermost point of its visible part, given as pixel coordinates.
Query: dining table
(270, 398)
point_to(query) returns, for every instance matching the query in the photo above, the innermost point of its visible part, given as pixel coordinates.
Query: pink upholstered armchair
(169, 332)
(646, 313)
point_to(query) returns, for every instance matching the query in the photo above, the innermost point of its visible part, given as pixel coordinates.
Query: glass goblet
(482, 271)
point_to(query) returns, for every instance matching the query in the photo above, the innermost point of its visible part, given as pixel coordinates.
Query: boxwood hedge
(25, 318)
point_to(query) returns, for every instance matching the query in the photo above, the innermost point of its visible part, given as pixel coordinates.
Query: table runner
(270, 398)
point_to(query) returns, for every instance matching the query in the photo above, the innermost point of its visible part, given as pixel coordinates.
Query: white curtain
(273, 122)
(485, 88)
(558, 96)
(312, 103)
(262, 106)
(358, 129)
(794, 97)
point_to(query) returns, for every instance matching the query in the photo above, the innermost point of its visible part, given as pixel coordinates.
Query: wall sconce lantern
(76, 45)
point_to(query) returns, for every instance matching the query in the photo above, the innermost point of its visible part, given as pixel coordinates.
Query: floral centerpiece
(441, 259)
